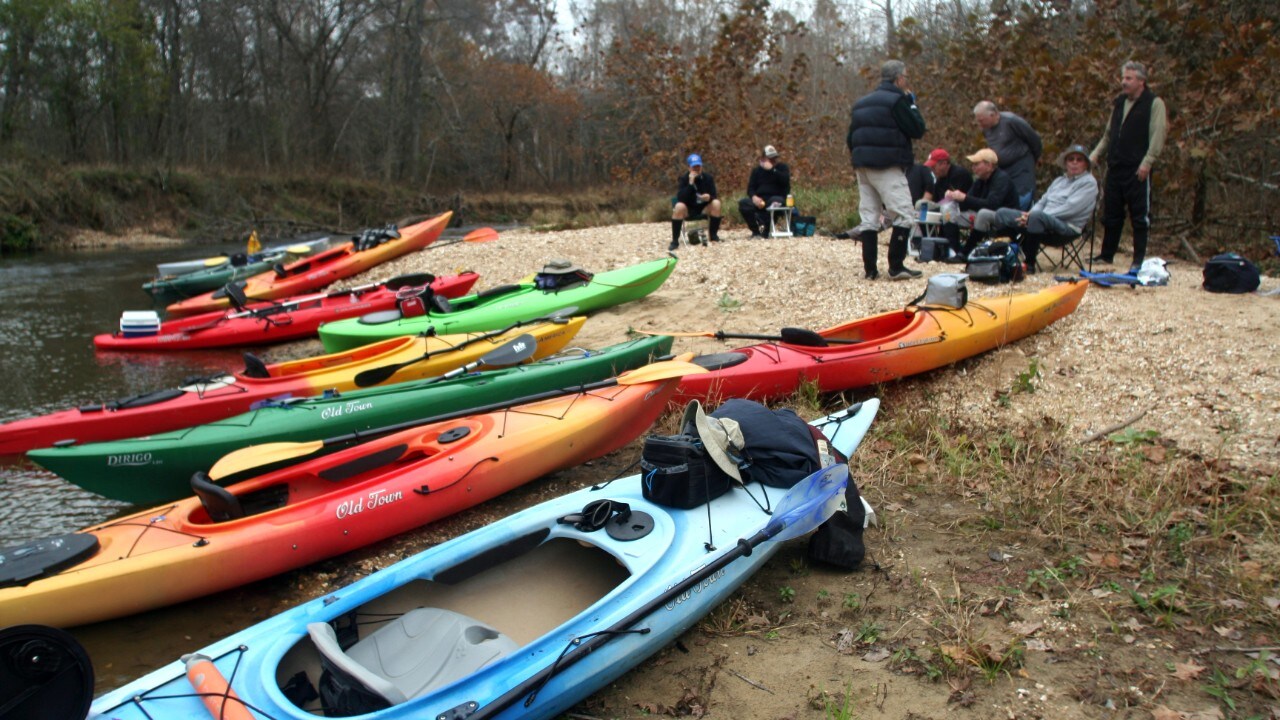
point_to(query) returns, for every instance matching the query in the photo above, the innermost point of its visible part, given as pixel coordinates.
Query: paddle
(517, 350)
(484, 234)
(805, 506)
(270, 453)
(373, 376)
(395, 283)
(789, 335)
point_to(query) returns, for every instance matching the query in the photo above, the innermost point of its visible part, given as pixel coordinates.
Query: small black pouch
(676, 471)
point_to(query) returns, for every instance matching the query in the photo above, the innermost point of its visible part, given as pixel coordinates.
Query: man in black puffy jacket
(881, 127)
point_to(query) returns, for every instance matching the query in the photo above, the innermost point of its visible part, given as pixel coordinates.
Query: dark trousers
(757, 219)
(1125, 194)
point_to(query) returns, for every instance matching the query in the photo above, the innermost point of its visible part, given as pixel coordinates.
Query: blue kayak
(493, 623)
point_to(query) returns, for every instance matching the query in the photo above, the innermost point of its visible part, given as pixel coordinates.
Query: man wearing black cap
(769, 184)
(1060, 214)
(695, 195)
(1132, 143)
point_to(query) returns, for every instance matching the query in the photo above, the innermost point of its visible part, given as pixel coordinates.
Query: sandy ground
(1200, 369)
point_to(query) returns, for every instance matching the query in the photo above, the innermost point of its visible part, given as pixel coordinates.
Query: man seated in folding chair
(1060, 215)
(695, 196)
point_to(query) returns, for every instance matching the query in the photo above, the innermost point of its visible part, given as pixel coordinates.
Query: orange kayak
(323, 507)
(879, 348)
(319, 271)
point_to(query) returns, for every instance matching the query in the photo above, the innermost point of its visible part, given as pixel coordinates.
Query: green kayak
(158, 468)
(501, 306)
(238, 267)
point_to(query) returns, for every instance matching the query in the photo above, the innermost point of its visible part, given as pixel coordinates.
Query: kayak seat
(218, 502)
(440, 304)
(418, 652)
(254, 367)
(236, 296)
(716, 361)
(223, 505)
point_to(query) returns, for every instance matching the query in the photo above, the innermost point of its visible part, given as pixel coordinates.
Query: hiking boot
(675, 245)
(715, 238)
(843, 235)
(872, 276)
(1133, 270)
(904, 273)
(1100, 260)
(756, 236)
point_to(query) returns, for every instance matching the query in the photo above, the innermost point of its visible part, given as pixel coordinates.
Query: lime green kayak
(502, 306)
(158, 468)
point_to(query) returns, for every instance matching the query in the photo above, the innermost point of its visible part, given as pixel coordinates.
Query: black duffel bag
(1230, 273)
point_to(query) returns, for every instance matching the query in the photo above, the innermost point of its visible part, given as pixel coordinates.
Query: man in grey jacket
(1060, 214)
(1017, 144)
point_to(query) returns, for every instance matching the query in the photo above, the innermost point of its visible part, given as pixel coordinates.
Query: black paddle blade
(519, 349)
(411, 280)
(802, 337)
(377, 375)
(373, 460)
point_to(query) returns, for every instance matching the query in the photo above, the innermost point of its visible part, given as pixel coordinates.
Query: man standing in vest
(882, 126)
(1133, 140)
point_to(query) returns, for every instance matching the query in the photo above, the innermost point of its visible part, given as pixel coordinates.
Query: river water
(52, 303)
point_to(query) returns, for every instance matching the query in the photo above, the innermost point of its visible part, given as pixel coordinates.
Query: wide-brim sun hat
(721, 437)
(1074, 150)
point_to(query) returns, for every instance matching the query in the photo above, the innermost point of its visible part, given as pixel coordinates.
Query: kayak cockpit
(222, 505)
(484, 609)
(872, 329)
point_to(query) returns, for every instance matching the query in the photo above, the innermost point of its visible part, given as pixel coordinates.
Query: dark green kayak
(180, 287)
(158, 468)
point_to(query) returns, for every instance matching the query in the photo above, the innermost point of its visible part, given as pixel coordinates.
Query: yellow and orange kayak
(207, 399)
(319, 271)
(325, 506)
(879, 348)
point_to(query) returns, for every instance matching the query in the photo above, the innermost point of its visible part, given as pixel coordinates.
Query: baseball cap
(985, 155)
(937, 156)
(694, 160)
(770, 151)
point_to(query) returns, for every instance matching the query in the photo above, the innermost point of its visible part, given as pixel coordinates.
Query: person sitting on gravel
(769, 184)
(696, 195)
(1059, 215)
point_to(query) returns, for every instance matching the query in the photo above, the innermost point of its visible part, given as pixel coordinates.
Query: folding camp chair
(1071, 249)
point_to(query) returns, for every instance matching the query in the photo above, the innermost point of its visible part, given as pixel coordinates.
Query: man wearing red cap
(948, 176)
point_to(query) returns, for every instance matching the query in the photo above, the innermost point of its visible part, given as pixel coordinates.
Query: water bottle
(924, 213)
(791, 201)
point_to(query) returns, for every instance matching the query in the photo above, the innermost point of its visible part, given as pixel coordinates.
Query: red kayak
(273, 322)
(202, 400)
(320, 271)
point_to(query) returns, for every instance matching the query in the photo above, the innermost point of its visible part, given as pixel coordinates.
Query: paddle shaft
(774, 338)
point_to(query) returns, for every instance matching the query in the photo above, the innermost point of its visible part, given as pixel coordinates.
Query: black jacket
(704, 184)
(881, 127)
(1130, 138)
(996, 192)
(959, 178)
(770, 183)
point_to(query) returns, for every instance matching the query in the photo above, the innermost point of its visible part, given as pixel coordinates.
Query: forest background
(381, 103)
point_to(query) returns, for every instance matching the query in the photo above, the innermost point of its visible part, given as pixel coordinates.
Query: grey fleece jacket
(1071, 200)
